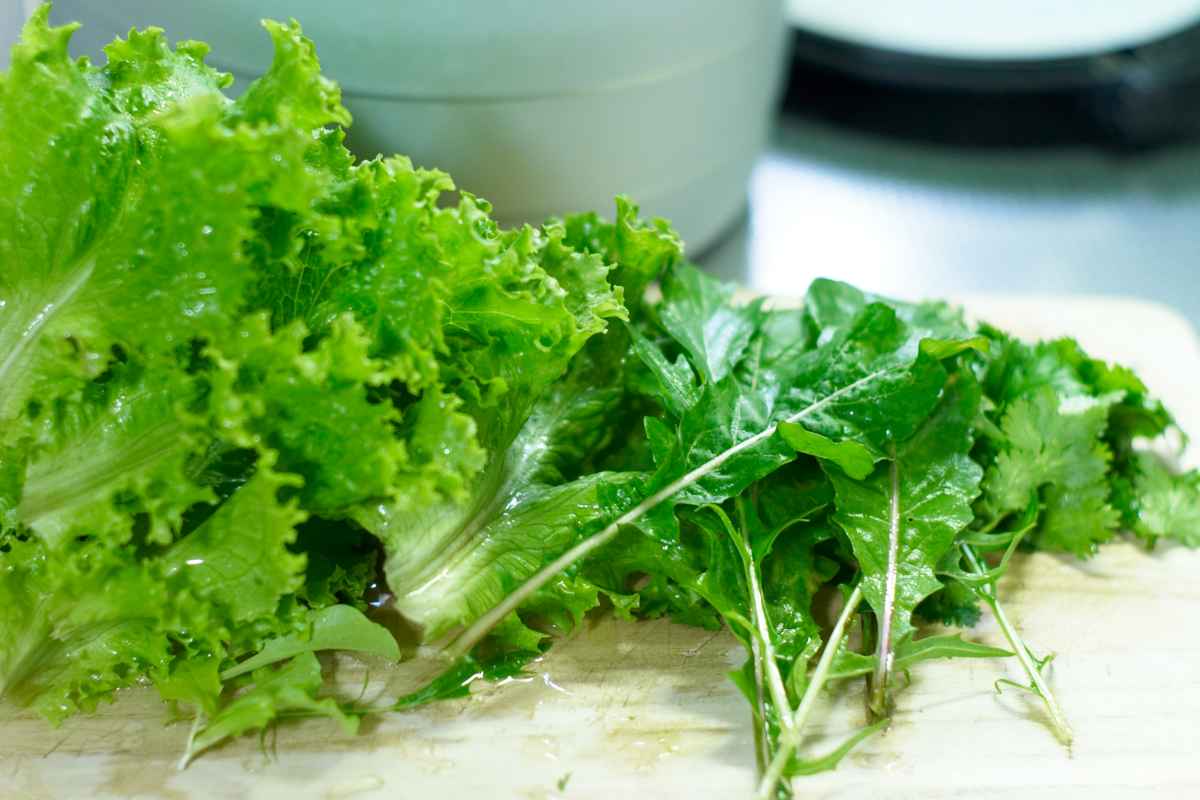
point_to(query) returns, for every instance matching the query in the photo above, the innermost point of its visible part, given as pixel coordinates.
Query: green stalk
(987, 592)
(762, 738)
(762, 648)
(482, 626)
(762, 626)
(790, 736)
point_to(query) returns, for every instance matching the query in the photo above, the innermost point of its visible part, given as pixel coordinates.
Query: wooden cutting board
(645, 710)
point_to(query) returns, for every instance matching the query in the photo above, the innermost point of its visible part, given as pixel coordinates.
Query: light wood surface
(645, 710)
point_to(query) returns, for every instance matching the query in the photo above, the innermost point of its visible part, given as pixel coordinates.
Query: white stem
(883, 653)
(762, 744)
(758, 610)
(473, 634)
(790, 739)
(189, 753)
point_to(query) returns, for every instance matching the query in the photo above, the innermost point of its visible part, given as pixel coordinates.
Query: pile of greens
(252, 389)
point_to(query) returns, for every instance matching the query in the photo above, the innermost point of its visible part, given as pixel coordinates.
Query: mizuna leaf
(872, 382)
(699, 313)
(854, 459)
(904, 518)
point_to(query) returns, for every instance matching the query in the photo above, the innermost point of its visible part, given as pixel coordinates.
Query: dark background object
(1134, 98)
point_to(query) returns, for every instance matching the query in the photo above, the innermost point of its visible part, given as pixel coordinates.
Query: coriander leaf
(1168, 504)
(1054, 447)
(1136, 413)
(1076, 521)
(1019, 370)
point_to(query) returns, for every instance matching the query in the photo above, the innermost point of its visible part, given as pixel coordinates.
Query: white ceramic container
(11, 14)
(1007, 30)
(541, 106)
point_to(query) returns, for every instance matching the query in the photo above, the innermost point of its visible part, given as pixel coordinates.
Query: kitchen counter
(917, 220)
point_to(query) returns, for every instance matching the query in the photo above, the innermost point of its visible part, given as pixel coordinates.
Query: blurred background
(925, 148)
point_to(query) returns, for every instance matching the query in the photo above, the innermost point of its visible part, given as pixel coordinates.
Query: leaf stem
(883, 652)
(1058, 720)
(762, 625)
(762, 738)
(189, 751)
(790, 738)
(762, 648)
(480, 628)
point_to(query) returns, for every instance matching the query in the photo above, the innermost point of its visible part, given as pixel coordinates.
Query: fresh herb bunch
(245, 379)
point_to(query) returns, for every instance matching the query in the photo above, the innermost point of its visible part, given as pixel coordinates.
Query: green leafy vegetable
(903, 519)
(1168, 503)
(333, 628)
(253, 388)
(290, 691)
(1055, 447)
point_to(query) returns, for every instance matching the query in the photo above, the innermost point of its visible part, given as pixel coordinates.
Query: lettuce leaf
(309, 350)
